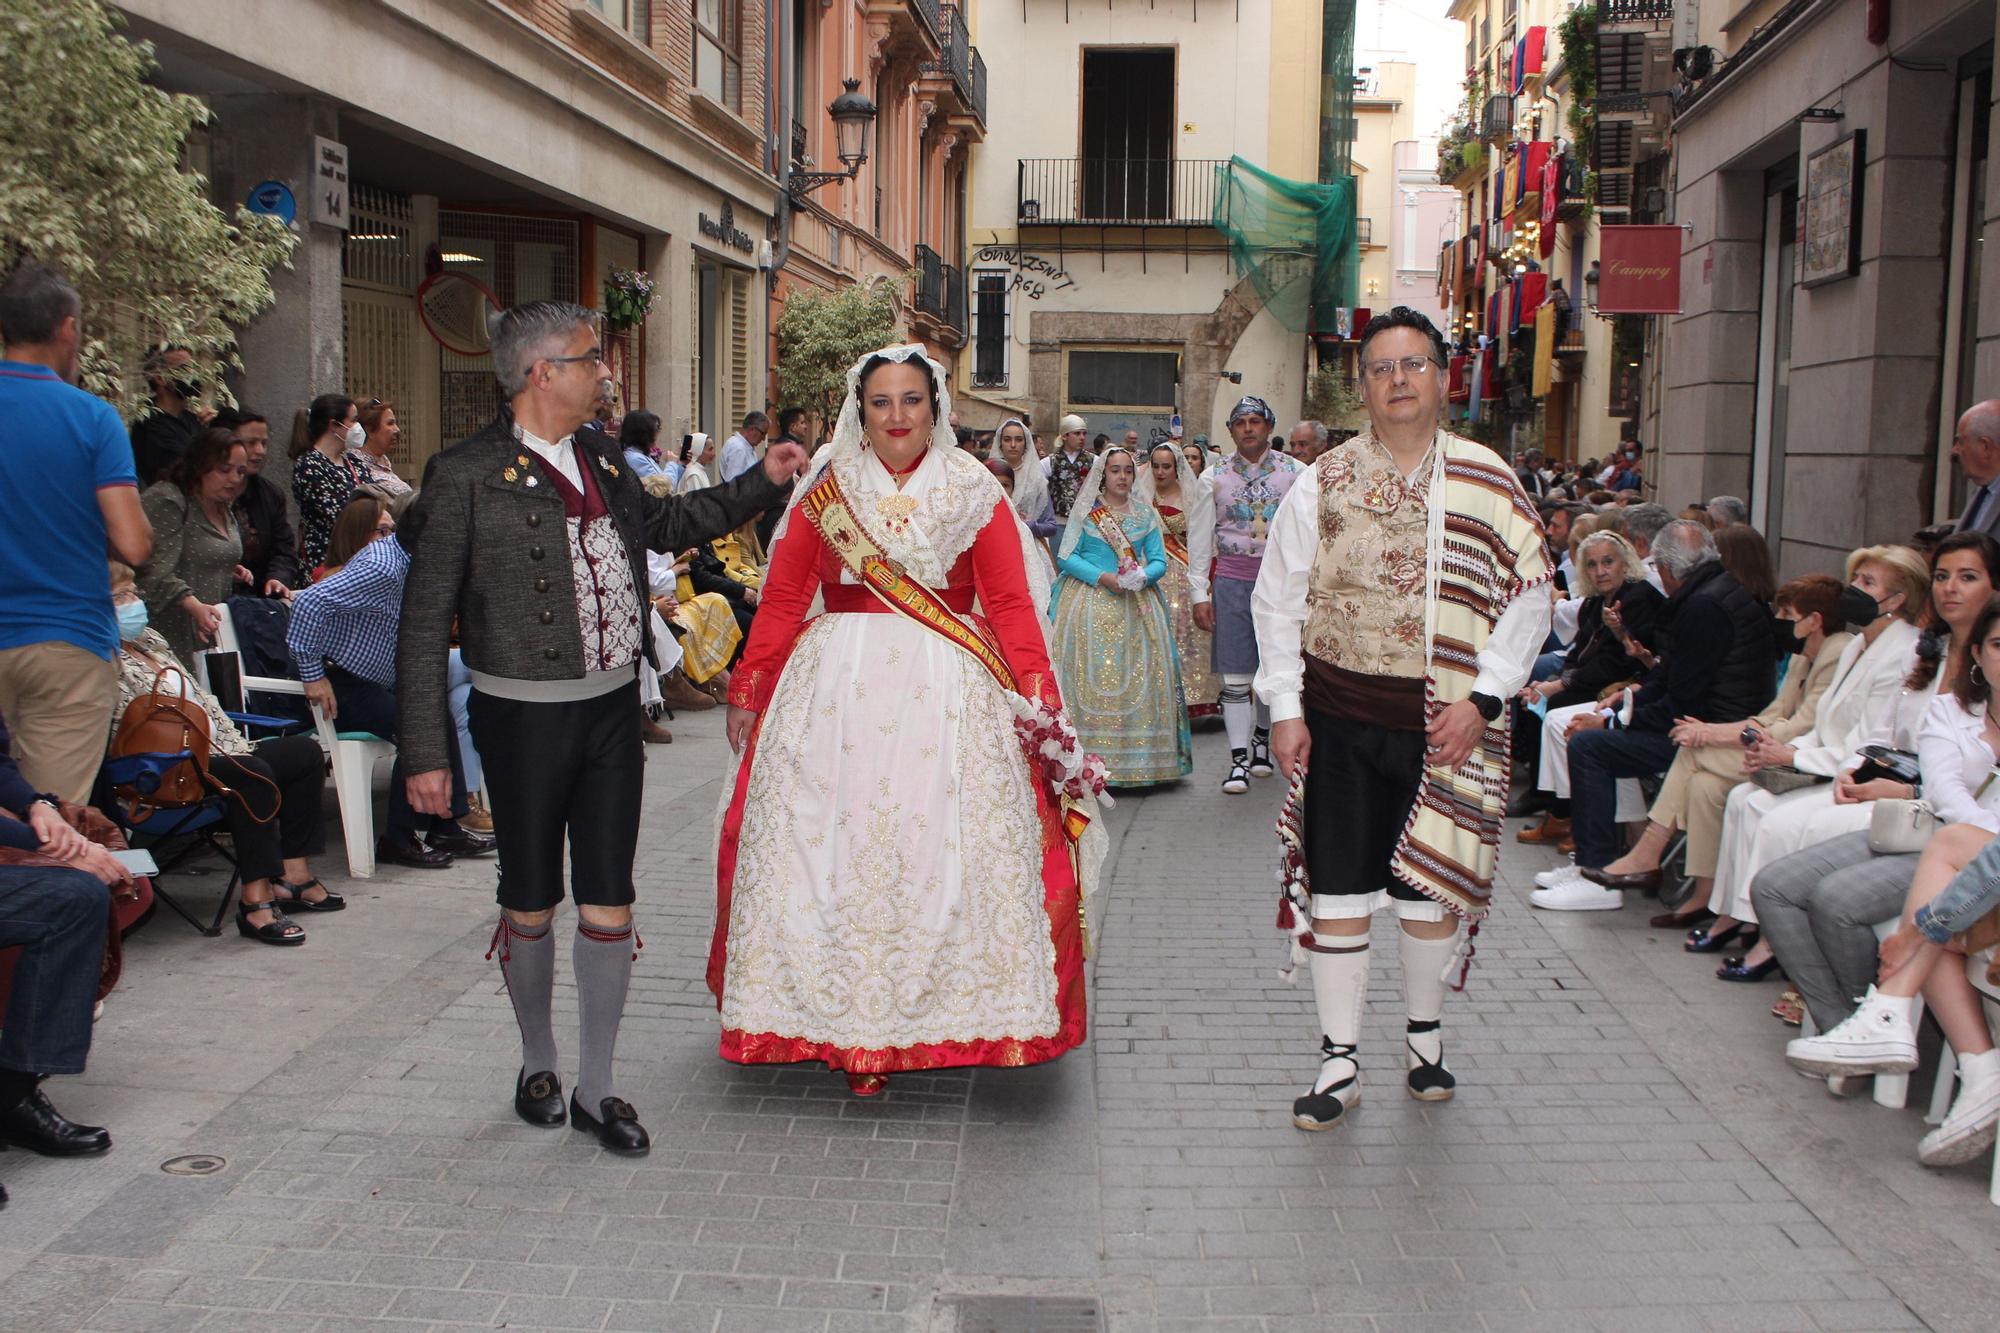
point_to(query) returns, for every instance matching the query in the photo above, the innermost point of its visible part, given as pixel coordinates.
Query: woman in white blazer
(1893, 680)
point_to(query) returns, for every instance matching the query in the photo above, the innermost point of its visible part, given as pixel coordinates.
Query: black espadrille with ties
(1430, 1081)
(1337, 1088)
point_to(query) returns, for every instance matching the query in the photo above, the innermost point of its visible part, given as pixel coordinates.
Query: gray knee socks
(603, 960)
(528, 962)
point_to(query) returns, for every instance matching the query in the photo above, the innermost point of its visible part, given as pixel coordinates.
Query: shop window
(718, 51)
(1123, 379)
(989, 328)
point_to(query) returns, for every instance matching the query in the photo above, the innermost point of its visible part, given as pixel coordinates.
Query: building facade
(1829, 171)
(1529, 376)
(1403, 215)
(902, 218)
(1096, 282)
(441, 159)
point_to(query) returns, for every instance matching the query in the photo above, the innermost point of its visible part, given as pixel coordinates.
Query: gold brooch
(510, 475)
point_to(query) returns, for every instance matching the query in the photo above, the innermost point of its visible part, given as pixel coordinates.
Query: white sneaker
(1969, 1130)
(1578, 895)
(1877, 1038)
(1561, 875)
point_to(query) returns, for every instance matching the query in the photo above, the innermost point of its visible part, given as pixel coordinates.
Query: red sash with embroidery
(1113, 532)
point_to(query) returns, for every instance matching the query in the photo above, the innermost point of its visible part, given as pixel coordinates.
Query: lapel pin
(531, 482)
(511, 475)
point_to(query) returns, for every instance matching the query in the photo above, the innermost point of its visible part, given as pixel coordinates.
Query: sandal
(1790, 1008)
(293, 896)
(280, 929)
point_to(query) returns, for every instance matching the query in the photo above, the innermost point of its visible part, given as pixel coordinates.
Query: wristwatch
(1488, 706)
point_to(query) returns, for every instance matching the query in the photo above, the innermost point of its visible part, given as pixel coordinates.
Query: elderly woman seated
(274, 817)
(1956, 892)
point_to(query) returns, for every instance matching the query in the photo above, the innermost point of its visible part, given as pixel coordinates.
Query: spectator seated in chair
(1953, 909)
(343, 639)
(1719, 661)
(1713, 757)
(58, 915)
(275, 819)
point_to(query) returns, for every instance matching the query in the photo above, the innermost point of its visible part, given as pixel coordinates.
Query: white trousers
(1553, 771)
(1759, 828)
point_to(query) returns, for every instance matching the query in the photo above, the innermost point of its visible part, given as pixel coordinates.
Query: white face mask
(356, 437)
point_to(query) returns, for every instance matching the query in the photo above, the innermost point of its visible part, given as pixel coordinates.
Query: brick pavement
(1625, 1151)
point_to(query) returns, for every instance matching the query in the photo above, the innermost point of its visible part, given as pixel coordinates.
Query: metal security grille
(379, 332)
(989, 330)
(380, 247)
(521, 259)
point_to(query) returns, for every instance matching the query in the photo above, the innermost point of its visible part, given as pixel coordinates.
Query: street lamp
(853, 123)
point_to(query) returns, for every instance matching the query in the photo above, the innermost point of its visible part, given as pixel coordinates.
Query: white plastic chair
(354, 755)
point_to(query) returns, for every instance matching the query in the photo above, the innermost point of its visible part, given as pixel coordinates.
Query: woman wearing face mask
(322, 481)
(197, 547)
(1710, 762)
(276, 824)
(1113, 642)
(1887, 587)
(380, 433)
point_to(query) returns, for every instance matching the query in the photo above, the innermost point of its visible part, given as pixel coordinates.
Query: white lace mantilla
(933, 520)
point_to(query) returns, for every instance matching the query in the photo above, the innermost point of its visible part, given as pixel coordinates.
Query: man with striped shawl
(1404, 593)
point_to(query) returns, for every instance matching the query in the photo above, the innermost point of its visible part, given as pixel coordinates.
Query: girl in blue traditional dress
(1113, 637)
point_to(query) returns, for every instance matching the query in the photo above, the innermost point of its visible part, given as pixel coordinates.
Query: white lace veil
(1086, 500)
(1197, 502)
(1031, 488)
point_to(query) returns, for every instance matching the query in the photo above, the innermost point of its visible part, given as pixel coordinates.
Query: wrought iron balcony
(1117, 191)
(1497, 120)
(940, 289)
(961, 62)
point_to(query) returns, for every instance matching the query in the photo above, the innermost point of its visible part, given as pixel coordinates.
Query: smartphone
(137, 861)
(1749, 737)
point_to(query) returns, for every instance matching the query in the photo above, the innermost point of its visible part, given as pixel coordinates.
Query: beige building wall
(1384, 113)
(1294, 87)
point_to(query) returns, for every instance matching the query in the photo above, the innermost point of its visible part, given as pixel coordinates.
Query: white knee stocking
(1340, 990)
(1424, 964)
(1236, 710)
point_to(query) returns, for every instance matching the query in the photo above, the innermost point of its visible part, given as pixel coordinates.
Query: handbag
(1900, 826)
(1781, 778)
(159, 722)
(1884, 762)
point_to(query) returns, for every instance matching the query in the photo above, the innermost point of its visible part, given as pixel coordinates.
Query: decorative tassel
(1461, 958)
(502, 942)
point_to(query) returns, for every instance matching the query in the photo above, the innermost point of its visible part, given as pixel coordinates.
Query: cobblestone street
(1627, 1150)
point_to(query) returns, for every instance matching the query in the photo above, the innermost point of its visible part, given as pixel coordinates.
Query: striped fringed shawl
(1486, 548)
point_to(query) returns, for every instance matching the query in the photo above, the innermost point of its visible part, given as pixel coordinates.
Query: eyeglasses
(594, 354)
(1413, 366)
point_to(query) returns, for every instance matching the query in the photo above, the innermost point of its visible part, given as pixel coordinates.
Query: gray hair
(1318, 429)
(1645, 521)
(1683, 547)
(525, 334)
(34, 301)
(1627, 556)
(1728, 509)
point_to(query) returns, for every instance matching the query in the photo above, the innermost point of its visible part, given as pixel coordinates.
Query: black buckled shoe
(619, 1130)
(34, 1124)
(455, 838)
(1430, 1081)
(1323, 1107)
(538, 1098)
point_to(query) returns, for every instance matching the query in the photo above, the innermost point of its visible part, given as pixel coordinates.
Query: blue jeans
(58, 916)
(1597, 759)
(1548, 666)
(1972, 893)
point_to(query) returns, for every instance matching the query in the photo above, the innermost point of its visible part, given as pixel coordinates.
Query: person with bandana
(1247, 486)
(1067, 467)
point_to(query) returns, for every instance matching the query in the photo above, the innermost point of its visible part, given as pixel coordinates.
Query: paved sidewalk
(1627, 1150)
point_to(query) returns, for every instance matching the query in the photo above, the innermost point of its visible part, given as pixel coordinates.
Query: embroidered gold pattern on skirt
(1115, 656)
(1202, 687)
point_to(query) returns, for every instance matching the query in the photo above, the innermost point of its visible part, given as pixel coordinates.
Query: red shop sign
(1639, 271)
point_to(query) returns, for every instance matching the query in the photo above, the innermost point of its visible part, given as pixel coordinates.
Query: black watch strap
(1488, 706)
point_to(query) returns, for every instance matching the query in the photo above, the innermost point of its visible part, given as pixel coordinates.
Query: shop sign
(329, 188)
(724, 230)
(1640, 272)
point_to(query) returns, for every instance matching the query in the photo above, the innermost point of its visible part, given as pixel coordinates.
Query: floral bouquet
(1131, 576)
(628, 295)
(1057, 752)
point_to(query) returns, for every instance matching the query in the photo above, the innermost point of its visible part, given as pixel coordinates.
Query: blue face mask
(131, 620)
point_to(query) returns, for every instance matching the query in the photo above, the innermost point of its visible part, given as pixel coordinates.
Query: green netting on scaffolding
(1293, 239)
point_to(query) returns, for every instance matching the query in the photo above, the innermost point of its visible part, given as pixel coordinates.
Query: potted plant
(628, 295)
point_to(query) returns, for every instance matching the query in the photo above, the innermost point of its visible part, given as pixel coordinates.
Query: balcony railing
(1497, 120)
(929, 10)
(798, 143)
(1117, 191)
(961, 61)
(940, 289)
(1635, 11)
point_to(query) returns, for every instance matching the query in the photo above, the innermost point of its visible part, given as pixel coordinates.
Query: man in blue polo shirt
(73, 502)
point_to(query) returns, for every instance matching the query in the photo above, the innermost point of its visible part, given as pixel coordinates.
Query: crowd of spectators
(1771, 759)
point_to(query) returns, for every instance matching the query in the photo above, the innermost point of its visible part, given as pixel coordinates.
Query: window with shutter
(739, 350)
